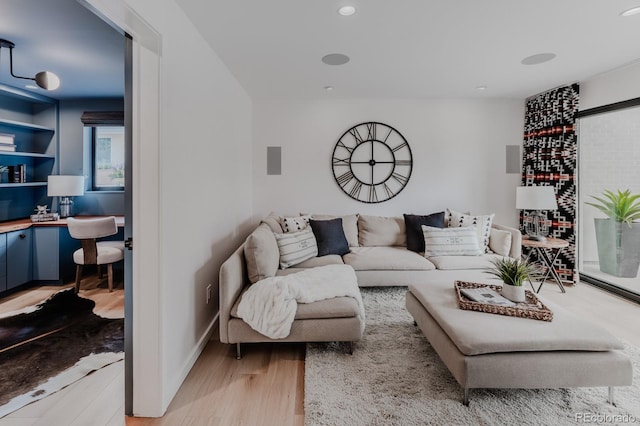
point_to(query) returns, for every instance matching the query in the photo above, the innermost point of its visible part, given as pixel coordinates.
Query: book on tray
(486, 295)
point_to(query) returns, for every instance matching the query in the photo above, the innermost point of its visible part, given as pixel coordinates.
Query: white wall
(206, 183)
(193, 183)
(458, 148)
(613, 86)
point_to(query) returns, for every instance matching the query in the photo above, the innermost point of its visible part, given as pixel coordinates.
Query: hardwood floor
(108, 305)
(266, 387)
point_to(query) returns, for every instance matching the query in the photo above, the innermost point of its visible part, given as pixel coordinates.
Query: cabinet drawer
(19, 258)
(3, 262)
(46, 263)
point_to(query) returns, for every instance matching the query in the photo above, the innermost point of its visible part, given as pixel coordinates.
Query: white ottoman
(485, 350)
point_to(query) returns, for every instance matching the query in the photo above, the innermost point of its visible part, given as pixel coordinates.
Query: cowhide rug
(49, 346)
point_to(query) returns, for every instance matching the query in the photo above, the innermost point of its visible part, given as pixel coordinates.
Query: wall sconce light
(65, 187)
(45, 79)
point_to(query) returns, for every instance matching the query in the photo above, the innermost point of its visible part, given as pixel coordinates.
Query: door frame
(144, 378)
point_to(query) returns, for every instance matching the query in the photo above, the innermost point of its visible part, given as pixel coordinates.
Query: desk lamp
(536, 198)
(65, 187)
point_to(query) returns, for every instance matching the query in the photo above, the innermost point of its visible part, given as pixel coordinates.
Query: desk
(40, 251)
(548, 252)
(17, 225)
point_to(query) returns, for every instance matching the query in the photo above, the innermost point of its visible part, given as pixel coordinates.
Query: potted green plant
(513, 273)
(618, 236)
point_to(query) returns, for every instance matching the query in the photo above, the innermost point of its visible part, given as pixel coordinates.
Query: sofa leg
(238, 351)
(465, 400)
(415, 324)
(611, 400)
(350, 348)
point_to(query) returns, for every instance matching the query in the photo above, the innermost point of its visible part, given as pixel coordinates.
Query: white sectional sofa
(377, 252)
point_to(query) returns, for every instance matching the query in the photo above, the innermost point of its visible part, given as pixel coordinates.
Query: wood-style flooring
(266, 387)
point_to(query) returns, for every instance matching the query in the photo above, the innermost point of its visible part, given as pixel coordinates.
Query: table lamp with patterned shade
(65, 187)
(536, 198)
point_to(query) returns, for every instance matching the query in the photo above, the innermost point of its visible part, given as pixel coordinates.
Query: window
(108, 158)
(608, 160)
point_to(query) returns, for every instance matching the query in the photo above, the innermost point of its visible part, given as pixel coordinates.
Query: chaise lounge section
(331, 320)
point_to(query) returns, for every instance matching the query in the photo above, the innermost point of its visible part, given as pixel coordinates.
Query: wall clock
(372, 162)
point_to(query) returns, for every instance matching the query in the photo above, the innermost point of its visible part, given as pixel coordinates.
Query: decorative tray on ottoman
(532, 308)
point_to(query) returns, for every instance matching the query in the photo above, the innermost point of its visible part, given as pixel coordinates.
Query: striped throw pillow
(459, 241)
(481, 223)
(296, 247)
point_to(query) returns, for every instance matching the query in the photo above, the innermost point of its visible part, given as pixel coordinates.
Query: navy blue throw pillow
(413, 223)
(330, 236)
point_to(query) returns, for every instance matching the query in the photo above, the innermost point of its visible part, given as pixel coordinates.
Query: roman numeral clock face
(372, 162)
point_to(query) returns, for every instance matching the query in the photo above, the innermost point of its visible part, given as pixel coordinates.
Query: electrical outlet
(208, 293)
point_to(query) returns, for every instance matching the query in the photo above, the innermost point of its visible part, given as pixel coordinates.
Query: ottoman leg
(611, 400)
(238, 351)
(465, 400)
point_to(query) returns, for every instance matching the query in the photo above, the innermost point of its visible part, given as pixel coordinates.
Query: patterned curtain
(550, 156)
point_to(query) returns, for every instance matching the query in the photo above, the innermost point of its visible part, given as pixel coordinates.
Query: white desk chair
(93, 252)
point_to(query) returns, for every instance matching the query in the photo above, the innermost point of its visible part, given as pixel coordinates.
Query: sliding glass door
(609, 159)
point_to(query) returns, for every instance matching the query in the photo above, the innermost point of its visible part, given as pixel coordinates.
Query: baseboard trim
(191, 360)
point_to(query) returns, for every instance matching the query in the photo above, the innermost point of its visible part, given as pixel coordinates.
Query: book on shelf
(7, 138)
(486, 295)
(7, 147)
(17, 173)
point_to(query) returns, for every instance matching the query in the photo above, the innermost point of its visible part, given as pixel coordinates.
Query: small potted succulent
(618, 236)
(513, 273)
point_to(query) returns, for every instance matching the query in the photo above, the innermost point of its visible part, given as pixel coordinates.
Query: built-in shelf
(23, 125)
(27, 154)
(22, 185)
(31, 120)
(24, 95)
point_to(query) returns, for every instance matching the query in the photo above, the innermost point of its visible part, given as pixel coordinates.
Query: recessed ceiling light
(347, 10)
(631, 12)
(328, 88)
(335, 59)
(481, 88)
(538, 58)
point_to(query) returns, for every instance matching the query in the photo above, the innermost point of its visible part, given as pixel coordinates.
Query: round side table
(547, 252)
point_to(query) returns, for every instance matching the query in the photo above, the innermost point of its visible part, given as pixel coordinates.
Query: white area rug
(395, 377)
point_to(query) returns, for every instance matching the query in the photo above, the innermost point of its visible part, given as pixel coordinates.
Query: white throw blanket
(269, 306)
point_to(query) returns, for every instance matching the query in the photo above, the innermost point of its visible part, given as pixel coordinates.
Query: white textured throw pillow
(481, 223)
(500, 242)
(296, 247)
(295, 223)
(461, 241)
